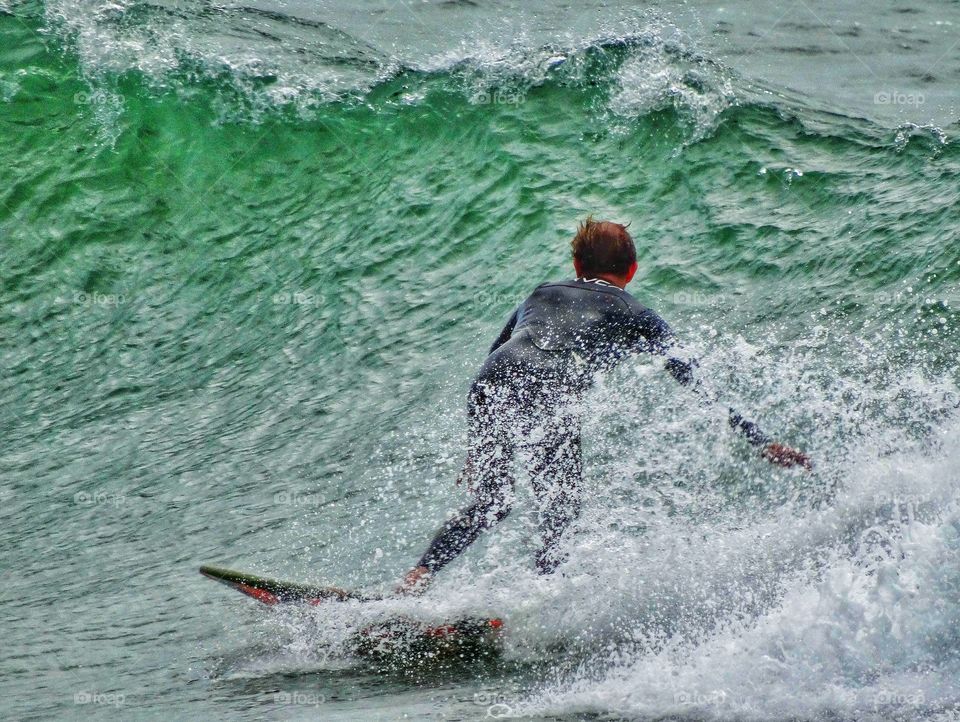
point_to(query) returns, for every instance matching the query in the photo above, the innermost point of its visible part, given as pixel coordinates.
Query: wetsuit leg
(556, 477)
(487, 473)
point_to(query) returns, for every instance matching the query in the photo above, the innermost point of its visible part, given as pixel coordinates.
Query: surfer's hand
(415, 582)
(783, 455)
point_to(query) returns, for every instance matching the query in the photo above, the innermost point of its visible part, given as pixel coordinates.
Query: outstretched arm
(660, 339)
(507, 331)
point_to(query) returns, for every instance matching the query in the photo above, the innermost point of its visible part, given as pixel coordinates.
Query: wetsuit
(525, 396)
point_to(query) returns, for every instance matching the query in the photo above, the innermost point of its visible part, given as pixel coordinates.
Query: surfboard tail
(395, 638)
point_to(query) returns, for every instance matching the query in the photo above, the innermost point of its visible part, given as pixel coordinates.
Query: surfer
(525, 398)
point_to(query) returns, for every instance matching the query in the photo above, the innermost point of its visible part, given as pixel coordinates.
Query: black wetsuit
(524, 398)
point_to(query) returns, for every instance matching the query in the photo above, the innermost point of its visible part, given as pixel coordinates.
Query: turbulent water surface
(252, 255)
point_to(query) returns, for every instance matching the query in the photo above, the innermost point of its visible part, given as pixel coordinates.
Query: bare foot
(415, 582)
(783, 455)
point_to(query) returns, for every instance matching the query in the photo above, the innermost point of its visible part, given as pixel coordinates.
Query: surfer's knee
(548, 560)
(491, 510)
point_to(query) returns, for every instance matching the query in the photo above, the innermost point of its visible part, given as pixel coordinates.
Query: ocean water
(253, 254)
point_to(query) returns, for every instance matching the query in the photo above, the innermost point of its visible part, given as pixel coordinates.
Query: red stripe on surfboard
(445, 631)
(261, 595)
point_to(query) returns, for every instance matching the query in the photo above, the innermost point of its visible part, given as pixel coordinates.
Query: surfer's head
(603, 249)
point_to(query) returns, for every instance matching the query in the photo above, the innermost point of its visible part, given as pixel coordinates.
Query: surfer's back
(572, 329)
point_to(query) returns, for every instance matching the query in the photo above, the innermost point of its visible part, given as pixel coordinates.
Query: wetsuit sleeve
(655, 334)
(750, 430)
(659, 338)
(506, 332)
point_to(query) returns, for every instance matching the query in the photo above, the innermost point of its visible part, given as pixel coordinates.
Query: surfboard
(464, 637)
(272, 591)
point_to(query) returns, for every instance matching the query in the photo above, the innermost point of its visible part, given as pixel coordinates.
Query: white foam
(268, 60)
